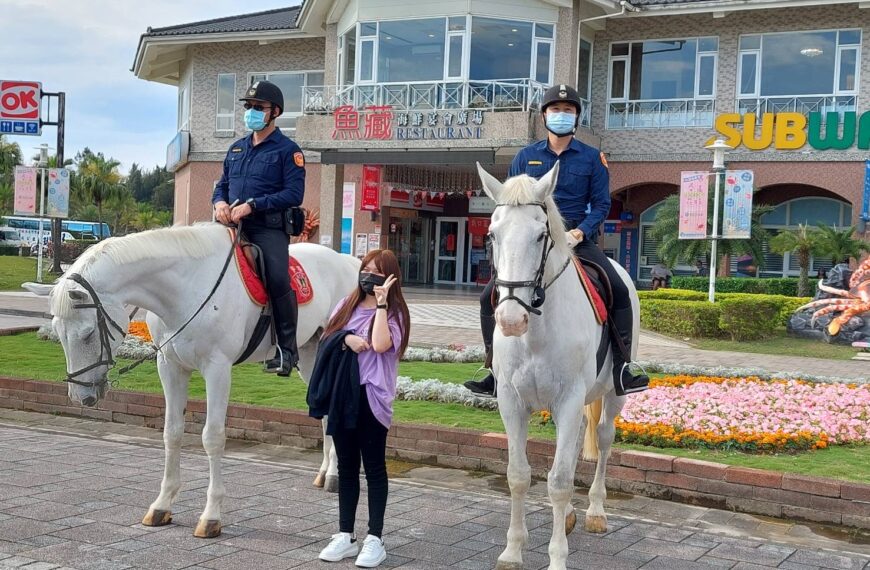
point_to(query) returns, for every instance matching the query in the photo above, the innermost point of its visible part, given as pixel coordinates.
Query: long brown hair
(386, 262)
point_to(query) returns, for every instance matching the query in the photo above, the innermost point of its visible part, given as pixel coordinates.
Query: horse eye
(542, 236)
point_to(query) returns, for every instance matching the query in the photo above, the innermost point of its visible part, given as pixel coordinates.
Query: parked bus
(28, 228)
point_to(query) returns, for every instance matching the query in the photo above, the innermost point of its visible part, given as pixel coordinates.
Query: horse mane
(519, 190)
(197, 241)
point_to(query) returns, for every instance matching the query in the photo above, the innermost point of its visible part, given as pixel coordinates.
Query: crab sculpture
(853, 302)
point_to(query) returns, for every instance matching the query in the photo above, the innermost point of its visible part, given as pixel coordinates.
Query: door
(449, 250)
(409, 239)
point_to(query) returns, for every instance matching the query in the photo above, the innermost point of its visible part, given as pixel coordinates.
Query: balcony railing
(803, 104)
(504, 95)
(661, 113)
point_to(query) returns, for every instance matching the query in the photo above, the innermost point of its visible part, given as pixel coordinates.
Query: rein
(104, 320)
(539, 294)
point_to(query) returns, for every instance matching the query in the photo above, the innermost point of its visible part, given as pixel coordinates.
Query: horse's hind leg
(519, 475)
(596, 519)
(214, 437)
(327, 475)
(175, 380)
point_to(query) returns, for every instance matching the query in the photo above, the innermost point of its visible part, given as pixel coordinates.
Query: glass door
(409, 242)
(449, 250)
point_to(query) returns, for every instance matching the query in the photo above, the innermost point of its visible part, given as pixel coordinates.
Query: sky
(86, 50)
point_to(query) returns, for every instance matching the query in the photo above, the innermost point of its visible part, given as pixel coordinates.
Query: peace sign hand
(382, 291)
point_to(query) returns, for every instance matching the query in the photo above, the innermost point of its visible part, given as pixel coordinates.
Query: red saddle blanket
(599, 307)
(254, 285)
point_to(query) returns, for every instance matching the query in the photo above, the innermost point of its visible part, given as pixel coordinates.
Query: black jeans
(273, 242)
(369, 442)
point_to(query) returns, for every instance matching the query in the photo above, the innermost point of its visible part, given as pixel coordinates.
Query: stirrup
(494, 383)
(625, 391)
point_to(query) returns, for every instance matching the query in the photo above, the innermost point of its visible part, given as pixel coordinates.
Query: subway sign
(792, 131)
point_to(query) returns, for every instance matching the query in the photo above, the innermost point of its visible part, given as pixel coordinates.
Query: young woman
(377, 317)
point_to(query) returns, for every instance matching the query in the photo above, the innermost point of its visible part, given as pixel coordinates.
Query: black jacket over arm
(333, 389)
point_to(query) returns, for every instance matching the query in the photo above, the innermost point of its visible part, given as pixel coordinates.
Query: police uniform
(269, 177)
(582, 195)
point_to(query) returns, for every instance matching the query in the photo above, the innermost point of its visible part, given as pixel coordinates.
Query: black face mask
(368, 282)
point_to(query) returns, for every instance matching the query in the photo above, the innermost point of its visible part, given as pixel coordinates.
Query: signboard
(25, 191)
(20, 107)
(57, 205)
(374, 242)
(362, 242)
(347, 202)
(371, 189)
(382, 122)
(693, 205)
(326, 240)
(481, 205)
(478, 226)
(737, 215)
(628, 250)
(865, 209)
(177, 151)
(792, 131)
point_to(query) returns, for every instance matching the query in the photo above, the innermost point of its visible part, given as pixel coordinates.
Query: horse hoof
(207, 529)
(570, 522)
(501, 565)
(331, 484)
(157, 518)
(320, 479)
(596, 524)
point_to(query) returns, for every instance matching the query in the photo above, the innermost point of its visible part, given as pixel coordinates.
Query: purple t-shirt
(378, 372)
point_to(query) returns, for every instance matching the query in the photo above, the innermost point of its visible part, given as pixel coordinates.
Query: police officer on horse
(263, 178)
(583, 197)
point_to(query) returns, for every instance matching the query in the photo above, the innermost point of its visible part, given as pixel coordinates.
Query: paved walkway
(74, 492)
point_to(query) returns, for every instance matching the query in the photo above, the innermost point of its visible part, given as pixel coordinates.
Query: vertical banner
(628, 251)
(58, 193)
(347, 202)
(737, 216)
(371, 189)
(693, 205)
(25, 191)
(865, 210)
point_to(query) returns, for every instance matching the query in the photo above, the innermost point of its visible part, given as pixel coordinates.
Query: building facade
(395, 102)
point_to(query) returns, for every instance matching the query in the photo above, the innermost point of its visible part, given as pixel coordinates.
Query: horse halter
(103, 322)
(539, 294)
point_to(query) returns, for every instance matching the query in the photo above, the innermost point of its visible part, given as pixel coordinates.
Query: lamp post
(42, 164)
(718, 148)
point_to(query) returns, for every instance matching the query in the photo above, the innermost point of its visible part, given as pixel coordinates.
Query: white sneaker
(339, 548)
(372, 553)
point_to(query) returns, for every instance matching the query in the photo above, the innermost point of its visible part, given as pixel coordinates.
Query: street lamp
(42, 164)
(718, 148)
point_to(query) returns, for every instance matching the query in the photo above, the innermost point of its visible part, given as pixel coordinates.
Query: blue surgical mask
(255, 120)
(561, 124)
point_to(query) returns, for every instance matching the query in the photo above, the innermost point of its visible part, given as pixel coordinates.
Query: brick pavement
(73, 500)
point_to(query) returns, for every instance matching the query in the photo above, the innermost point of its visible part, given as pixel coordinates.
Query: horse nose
(89, 401)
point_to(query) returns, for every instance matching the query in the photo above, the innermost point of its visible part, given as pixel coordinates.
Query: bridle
(539, 294)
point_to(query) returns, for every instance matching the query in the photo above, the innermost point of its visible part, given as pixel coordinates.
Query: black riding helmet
(265, 91)
(561, 94)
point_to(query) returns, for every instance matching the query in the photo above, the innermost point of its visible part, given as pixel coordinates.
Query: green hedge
(695, 319)
(9, 250)
(749, 317)
(786, 286)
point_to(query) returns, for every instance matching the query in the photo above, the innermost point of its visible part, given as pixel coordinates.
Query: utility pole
(59, 123)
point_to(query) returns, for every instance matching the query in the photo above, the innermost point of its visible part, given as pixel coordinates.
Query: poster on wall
(737, 215)
(374, 241)
(693, 205)
(25, 191)
(347, 203)
(362, 242)
(371, 189)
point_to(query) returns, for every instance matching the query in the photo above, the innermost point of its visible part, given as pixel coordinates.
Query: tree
(673, 250)
(135, 184)
(804, 242)
(839, 245)
(99, 178)
(10, 156)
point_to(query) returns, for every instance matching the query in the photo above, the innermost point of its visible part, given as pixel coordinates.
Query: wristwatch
(250, 202)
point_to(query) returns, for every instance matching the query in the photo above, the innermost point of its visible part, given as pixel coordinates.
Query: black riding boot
(623, 380)
(285, 312)
(485, 387)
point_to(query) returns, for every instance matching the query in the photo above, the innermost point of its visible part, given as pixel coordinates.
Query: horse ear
(491, 185)
(41, 289)
(545, 186)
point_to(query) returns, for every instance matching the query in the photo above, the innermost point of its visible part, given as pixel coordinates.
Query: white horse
(547, 360)
(170, 272)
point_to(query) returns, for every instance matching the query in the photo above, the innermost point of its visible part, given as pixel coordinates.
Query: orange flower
(140, 329)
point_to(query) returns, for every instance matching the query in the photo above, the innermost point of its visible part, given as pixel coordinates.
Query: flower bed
(747, 414)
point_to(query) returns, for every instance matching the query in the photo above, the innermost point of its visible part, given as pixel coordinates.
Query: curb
(754, 491)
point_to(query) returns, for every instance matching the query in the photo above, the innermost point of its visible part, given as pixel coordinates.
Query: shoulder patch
(236, 149)
(535, 162)
(299, 159)
(603, 159)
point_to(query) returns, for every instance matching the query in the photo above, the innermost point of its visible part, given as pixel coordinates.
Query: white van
(11, 237)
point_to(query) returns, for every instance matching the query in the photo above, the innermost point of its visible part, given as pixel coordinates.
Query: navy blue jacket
(333, 389)
(272, 173)
(583, 189)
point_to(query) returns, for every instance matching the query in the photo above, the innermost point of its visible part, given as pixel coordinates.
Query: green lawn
(24, 356)
(16, 270)
(781, 344)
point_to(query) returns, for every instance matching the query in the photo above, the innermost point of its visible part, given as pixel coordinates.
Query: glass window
(799, 63)
(226, 101)
(366, 57)
(291, 87)
(349, 57)
(456, 23)
(184, 109)
(850, 37)
(848, 65)
(706, 76)
(708, 44)
(315, 79)
(814, 211)
(454, 66)
(500, 49)
(663, 69)
(544, 31)
(750, 42)
(619, 49)
(748, 64)
(410, 50)
(542, 63)
(584, 66)
(368, 29)
(617, 80)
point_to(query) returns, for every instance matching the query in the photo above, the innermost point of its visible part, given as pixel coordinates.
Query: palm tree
(805, 242)
(100, 178)
(673, 250)
(839, 244)
(10, 156)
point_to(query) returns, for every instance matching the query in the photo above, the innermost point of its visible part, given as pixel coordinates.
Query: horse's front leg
(515, 417)
(596, 519)
(175, 380)
(217, 381)
(570, 423)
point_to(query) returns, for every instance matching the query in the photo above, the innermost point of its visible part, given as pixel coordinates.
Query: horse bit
(539, 294)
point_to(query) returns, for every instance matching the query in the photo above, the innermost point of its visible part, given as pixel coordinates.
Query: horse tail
(590, 440)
